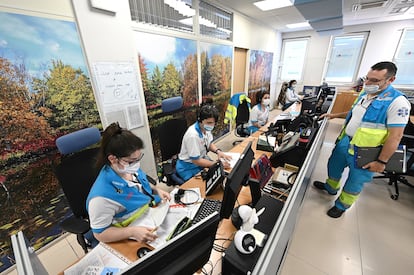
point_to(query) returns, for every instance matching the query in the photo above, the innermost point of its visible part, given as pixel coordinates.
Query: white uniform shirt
(291, 95)
(257, 114)
(195, 146)
(393, 112)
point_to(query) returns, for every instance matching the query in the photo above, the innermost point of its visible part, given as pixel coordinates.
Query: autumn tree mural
(44, 93)
(260, 72)
(216, 68)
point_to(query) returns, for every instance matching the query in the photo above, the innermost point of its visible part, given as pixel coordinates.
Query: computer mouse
(141, 252)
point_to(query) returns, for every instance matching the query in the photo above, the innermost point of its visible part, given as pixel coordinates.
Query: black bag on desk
(289, 152)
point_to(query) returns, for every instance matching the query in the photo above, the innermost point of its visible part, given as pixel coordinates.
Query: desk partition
(275, 249)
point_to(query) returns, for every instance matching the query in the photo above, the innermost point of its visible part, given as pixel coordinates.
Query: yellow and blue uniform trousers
(339, 159)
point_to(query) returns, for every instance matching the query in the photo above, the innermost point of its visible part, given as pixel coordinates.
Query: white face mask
(208, 128)
(294, 86)
(129, 169)
(266, 101)
(371, 89)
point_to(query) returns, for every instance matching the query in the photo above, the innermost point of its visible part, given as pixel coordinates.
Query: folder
(397, 162)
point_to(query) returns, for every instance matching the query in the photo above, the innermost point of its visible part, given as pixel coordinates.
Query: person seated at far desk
(260, 112)
(291, 95)
(121, 192)
(197, 141)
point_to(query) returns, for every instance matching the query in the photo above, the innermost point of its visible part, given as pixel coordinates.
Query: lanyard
(141, 188)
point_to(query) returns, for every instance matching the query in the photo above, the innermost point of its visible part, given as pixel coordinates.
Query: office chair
(242, 117)
(396, 178)
(238, 112)
(281, 99)
(76, 174)
(170, 134)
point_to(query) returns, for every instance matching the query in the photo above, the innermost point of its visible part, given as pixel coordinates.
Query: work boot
(335, 212)
(321, 186)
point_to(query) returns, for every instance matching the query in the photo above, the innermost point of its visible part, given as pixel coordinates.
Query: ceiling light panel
(267, 5)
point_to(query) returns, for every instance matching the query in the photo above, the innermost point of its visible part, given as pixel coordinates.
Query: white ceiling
(330, 10)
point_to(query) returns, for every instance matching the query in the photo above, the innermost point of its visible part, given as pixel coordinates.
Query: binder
(266, 143)
(397, 162)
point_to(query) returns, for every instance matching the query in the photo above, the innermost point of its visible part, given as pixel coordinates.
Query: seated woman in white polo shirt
(197, 141)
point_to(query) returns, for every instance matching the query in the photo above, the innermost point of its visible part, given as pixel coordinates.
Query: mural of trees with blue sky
(35, 41)
(45, 92)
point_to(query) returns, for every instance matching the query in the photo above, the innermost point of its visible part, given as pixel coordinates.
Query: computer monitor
(311, 91)
(308, 106)
(237, 178)
(214, 177)
(184, 254)
(26, 259)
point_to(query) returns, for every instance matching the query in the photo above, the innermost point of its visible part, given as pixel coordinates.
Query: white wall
(381, 45)
(57, 9)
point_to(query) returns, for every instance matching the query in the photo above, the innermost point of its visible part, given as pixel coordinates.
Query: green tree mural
(171, 85)
(67, 92)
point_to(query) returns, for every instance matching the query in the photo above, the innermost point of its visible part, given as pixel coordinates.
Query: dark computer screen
(308, 106)
(238, 177)
(184, 254)
(214, 177)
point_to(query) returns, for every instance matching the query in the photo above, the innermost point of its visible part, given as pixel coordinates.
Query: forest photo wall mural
(260, 72)
(216, 77)
(169, 68)
(45, 92)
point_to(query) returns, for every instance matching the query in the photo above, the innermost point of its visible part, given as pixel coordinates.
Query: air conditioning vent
(369, 5)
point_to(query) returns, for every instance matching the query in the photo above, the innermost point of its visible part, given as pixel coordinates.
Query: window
(179, 15)
(404, 58)
(345, 57)
(293, 58)
(215, 22)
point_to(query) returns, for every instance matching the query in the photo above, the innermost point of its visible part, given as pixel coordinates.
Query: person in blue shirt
(121, 192)
(197, 141)
(377, 118)
(260, 112)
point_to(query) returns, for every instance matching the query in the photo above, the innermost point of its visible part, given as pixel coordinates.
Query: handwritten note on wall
(118, 93)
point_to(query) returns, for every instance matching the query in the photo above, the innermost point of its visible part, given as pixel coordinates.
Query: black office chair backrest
(76, 174)
(171, 135)
(77, 171)
(243, 113)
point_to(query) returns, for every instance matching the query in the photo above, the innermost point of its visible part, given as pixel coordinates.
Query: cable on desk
(284, 193)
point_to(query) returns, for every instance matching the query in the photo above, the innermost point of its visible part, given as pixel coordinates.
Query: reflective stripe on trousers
(339, 159)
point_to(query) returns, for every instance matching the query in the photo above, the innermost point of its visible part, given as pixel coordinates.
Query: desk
(226, 230)
(273, 252)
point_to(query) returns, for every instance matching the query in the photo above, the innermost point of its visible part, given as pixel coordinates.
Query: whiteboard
(118, 93)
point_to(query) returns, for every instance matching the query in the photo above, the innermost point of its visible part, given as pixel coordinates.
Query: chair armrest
(75, 225)
(408, 136)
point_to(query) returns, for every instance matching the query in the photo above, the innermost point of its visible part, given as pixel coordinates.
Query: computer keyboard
(207, 207)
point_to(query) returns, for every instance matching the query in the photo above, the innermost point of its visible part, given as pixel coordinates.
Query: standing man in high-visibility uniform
(378, 117)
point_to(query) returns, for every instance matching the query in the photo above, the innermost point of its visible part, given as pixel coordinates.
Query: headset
(180, 194)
